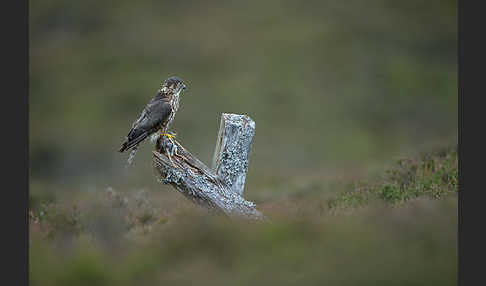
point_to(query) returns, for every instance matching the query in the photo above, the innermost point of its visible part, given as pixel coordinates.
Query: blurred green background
(338, 91)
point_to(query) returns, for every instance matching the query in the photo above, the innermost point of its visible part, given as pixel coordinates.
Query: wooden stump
(232, 153)
(219, 189)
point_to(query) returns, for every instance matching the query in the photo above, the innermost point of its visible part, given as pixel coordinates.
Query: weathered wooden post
(222, 187)
(232, 153)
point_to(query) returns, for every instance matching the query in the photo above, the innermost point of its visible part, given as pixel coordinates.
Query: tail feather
(129, 143)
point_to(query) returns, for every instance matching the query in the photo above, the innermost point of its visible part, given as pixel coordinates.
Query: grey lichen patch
(233, 165)
(173, 175)
(233, 148)
(202, 183)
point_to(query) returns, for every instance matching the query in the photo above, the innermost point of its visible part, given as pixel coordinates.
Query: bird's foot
(169, 134)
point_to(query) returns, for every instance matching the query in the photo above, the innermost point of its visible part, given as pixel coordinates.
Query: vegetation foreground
(394, 231)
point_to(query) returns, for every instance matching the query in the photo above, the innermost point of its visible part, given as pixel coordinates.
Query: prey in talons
(169, 146)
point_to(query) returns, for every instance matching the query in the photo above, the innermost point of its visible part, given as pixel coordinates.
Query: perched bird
(156, 116)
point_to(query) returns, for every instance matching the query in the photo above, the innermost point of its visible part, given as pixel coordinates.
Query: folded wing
(153, 117)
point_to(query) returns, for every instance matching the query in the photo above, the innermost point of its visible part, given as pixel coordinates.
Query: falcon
(156, 116)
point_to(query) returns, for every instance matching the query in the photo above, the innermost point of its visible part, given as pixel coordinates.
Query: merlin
(156, 116)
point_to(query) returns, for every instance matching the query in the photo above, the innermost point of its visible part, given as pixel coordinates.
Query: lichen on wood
(218, 190)
(232, 153)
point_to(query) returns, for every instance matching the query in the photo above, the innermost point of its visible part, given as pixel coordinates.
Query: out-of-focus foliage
(412, 245)
(434, 176)
(313, 234)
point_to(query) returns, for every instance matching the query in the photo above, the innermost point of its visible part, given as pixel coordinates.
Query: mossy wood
(219, 189)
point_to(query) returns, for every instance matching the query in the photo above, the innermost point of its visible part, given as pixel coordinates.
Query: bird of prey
(156, 116)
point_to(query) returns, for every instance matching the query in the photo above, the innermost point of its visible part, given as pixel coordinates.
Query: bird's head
(173, 85)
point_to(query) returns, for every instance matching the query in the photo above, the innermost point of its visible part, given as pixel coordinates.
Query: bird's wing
(141, 118)
(154, 114)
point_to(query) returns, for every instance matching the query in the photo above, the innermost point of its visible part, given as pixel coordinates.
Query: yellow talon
(168, 135)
